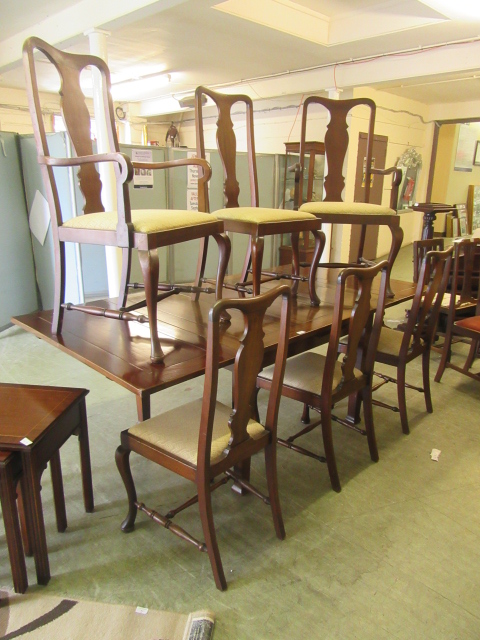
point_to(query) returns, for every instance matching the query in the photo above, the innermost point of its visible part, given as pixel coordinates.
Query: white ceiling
(271, 51)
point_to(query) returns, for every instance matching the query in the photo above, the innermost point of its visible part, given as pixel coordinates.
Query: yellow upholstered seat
(143, 220)
(260, 215)
(176, 431)
(322, 209)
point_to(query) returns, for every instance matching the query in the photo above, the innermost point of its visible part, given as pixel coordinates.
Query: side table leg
(12, 528)
(85, 463)
(58, 494)
(34, 513)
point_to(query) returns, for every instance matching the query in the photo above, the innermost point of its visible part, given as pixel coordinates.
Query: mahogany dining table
(121, 351)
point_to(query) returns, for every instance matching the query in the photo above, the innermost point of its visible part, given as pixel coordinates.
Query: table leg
(429, 218)
(143, 407)
(85, 463)
(12, 528)
(33, 504)
(58, 494)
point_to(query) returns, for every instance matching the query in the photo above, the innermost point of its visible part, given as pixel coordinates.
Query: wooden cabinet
(311, 184)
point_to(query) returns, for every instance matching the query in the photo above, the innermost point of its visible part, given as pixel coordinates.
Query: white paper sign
(39, 218)
(192, 199)
(142, 178)
(192, 172)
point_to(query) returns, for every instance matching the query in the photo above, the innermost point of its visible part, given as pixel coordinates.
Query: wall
(14, 113)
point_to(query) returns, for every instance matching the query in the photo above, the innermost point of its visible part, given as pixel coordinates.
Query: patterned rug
(34, 616)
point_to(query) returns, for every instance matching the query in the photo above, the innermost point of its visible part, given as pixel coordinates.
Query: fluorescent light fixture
(188, 102)
(134, 88)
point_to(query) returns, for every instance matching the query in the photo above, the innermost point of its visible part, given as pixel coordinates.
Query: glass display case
(311, 185)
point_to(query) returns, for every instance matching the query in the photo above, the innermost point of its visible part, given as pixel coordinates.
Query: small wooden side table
(36, 421)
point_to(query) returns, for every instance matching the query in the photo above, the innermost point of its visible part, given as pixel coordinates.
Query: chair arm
(126, 168)
(181, 162)
(396, 181)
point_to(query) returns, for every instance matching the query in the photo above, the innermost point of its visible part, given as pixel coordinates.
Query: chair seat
(176, 431)
(390, 341)
(260, 215)
(343, 208)
(447, 298)
(472, 324)
(143, 220)
(306, 371)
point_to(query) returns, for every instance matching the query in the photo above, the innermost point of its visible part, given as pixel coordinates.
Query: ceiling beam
(449, 58)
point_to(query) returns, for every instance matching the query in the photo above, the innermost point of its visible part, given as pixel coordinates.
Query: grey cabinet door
(18, 292)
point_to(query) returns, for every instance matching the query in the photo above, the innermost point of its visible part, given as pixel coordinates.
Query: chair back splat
(227, 142)
(209, 442)
(254, 221)
(144, 230)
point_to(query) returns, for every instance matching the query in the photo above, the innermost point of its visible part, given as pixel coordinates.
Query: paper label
(142, 610)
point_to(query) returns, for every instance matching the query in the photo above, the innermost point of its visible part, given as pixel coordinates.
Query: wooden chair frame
(336, 143)
(361, 333)
(77, 120)
(419, 333)
(226, 144)
(241, 446)
(462, 303)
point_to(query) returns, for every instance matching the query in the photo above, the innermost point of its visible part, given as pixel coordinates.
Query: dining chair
(332, 209)
(463, 301)
(145, 230)
(204, 439)
(35, 422)
(398, 348)
(420, 249)
(254, 221)
(320, 382)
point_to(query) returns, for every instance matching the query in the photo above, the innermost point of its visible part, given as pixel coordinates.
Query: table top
(121, 351)
(27, 411)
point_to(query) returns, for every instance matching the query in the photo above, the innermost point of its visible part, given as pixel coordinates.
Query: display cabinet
(311, 184)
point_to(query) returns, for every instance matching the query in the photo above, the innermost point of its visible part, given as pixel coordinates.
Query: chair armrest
(396, 181)
(126, 168)
(181, 162)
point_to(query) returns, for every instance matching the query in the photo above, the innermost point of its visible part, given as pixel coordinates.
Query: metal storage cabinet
(18, 290)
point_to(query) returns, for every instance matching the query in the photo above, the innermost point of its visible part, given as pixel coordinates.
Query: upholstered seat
(390, 341)
(260, 215)
(306, 371)
(347, 208)
(143, 220)
(176, 431)
(472, 324)
(254, 221)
